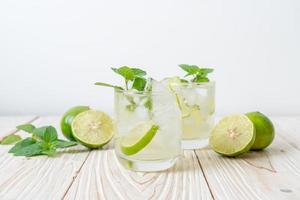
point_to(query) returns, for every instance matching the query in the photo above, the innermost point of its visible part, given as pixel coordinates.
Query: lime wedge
(173, 84)
(92, 128)
(138, 138)
(233, 135)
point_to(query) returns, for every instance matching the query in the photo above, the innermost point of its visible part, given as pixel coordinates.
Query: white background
(51, 52)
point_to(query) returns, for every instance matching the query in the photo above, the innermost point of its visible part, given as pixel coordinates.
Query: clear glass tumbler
(148, 129)
(197, 104)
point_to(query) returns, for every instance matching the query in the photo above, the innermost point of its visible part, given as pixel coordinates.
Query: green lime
(233, 135)
(92, 128)
(67, 119)
(138, 138)
(264, 130)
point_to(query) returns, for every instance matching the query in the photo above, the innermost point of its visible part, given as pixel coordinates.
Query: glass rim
(209, 83)
(134, 92)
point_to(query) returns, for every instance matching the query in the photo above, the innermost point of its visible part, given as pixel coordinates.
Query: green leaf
(63, 144)
(183, 81)
(21, 144)
(126, 72)
(40, 132)
(148, 104)
(139, 84)
(132, 105)
(26, 127)
(31, 150)
(49, 152)
(204, 71)
(138, 72)
(190, 69)
(109, 85)
(50, 134)
(10, 139)
(200, 79)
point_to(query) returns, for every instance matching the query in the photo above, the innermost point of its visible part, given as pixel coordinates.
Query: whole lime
(66, 120)
(264, 130)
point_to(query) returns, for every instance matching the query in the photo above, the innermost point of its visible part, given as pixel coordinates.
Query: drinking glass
(148, 128)
(197, 104)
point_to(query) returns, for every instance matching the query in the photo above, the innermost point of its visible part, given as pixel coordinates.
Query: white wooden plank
(289, 129)
(8, 124)
(102, 177)
(40, 177)
(270, 174)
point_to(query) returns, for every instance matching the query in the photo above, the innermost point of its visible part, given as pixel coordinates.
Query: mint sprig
(43, 141)
(10, 139)
(134, 78)
(198, 74)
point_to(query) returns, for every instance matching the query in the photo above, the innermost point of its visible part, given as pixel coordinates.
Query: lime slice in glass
(138, 138)
(92, 128)
(233, 135)
(174, 84)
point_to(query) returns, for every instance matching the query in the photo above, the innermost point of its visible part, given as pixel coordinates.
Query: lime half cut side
(138, 138)
(92, 128)
(233, 135)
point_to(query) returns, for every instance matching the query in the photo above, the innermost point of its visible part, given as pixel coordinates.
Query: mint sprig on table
(134, 79)
(43, 141)
(198, 74)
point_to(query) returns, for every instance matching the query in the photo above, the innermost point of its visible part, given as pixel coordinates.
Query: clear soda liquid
(159, 107)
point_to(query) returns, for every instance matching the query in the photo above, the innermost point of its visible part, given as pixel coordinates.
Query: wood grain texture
(8, 124)
(269, 174)
(39, 177)
(202, 174)
(102, 177)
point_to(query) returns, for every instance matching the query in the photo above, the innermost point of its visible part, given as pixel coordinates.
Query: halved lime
(233, 135)
(67, 118)
(92, 128)
(265, 131)
(138, 138)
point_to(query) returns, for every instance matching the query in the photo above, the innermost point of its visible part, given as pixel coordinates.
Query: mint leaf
(199, 74)
(109, 85)
(183, 81)
(49, 152)
(139, 84)
(138, 72)
(10, 139)
(126, 72)
(21, 144)
(63, 144)
(40, 132)
(26, 127)
(50, 134)
(204, 71)
(148, 104)
(31, 150)
(190, 69)
(200, 79)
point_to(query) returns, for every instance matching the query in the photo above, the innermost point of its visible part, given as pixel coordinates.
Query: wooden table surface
(78, 173)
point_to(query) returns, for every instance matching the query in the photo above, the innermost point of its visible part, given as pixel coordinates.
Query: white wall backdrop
(51, 52)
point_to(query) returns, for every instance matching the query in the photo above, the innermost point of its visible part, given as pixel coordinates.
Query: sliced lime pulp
(92, 128)
(233, 135)
(67, 119)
